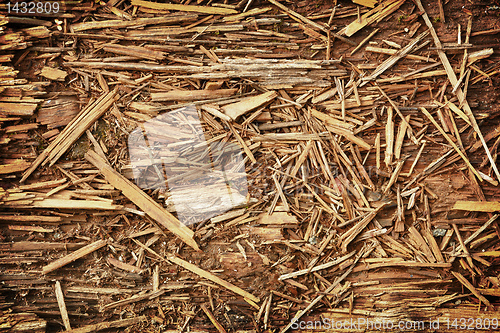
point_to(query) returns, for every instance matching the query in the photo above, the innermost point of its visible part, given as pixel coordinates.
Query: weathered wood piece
(73, 256)
(469, 286)
(142, 200)
(209, 276)
(477, 206)
(53, 73)
(248, 104)
(375, 15)
(117, 24)
(184, 8)
(62, 305)
(191, 95)
(109, 324)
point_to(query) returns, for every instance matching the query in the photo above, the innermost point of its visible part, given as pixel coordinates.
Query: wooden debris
(477, 206)
(303, 100)
(248, 104)
(22, 322)
(62, 306)
(141, 199)
(453, 80)
(53, 73)
(466, 160)
(186, 8)
(191, 95)
(213, 278)
(109, 324)
(396, 57)
(469, 286)
(212, 318)
(73, 256)
(376, 14)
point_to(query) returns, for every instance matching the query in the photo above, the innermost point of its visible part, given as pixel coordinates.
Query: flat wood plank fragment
(117, 24)
(73, 204)
(477, 206)
(184, 8)
(248, 104)
(135, 51)
(16, 166)
(17, 109)
(53, 73)
(191, 95)
(367, 3)
(277, 218)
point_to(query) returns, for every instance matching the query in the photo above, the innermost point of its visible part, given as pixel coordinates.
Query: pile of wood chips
(369, 134)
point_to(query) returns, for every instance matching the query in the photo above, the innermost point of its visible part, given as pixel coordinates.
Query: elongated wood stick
(400, 138)
(207, 275)
(141, 199)
(316, 268)
(282, 196)
(62, 305)
(416, 158)
(73, 256)
(363, 42)
(212, 318)
(403, 119)
(377, 151)
(469, 286)
(241, 142)
(391, 61)
(389, 138)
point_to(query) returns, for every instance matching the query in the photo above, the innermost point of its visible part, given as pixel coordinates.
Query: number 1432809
(32, 7)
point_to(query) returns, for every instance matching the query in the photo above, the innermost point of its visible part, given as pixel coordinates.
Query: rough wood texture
(294, 213)
(73, 256)
(142, 200)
